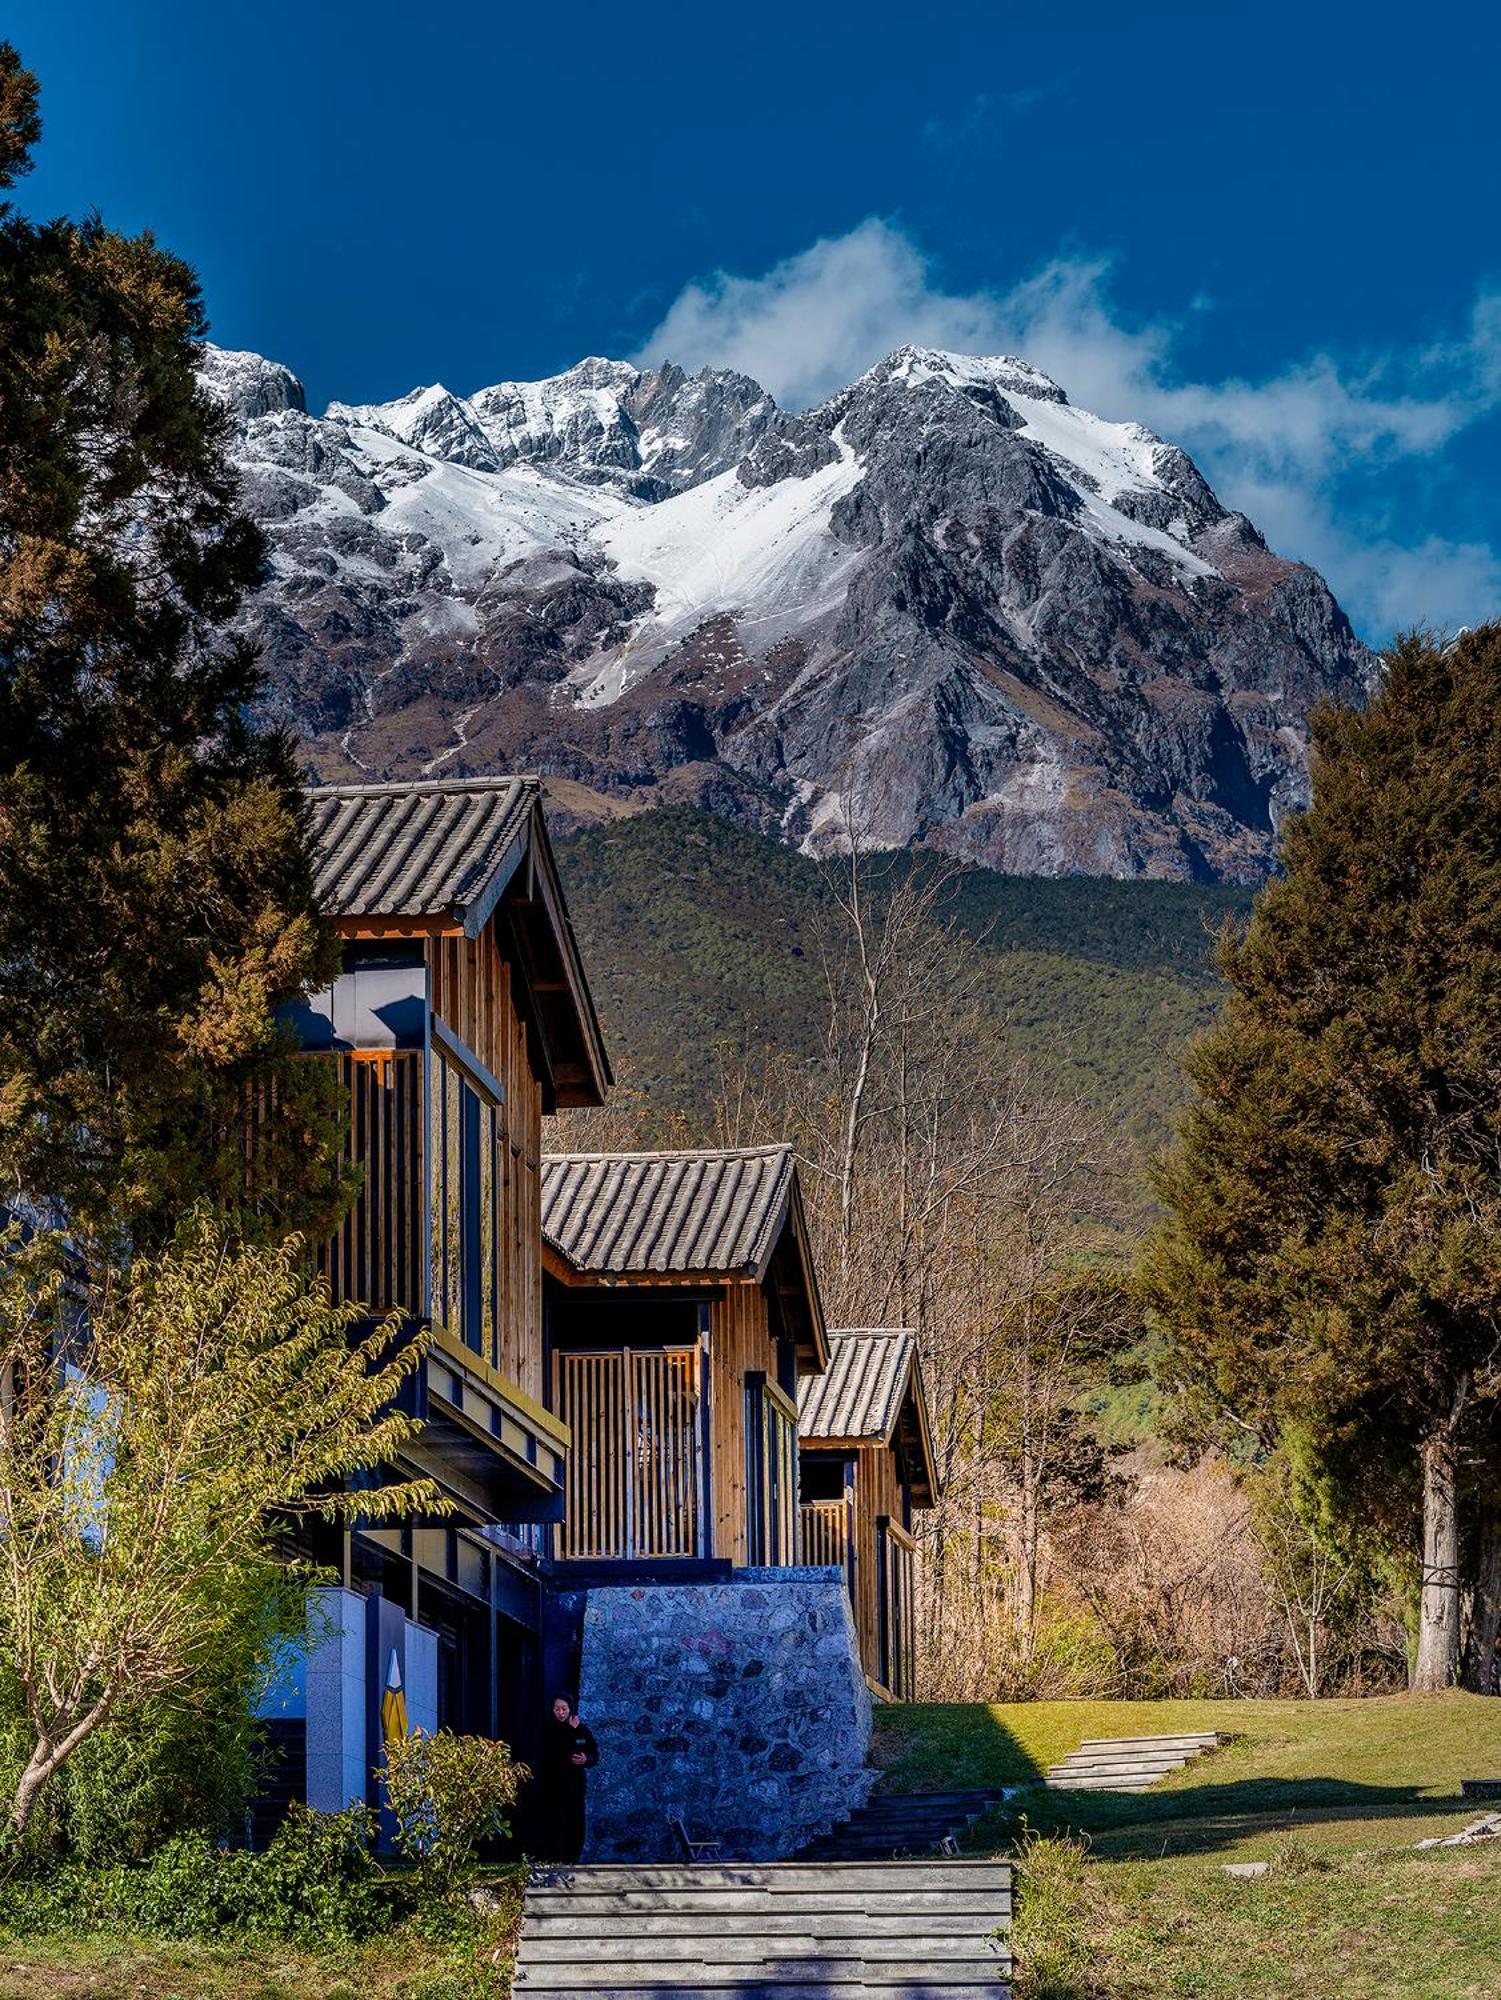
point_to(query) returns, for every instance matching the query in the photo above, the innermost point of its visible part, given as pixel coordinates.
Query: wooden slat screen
(826, 1534)
(377, 1256)
(633, 1482)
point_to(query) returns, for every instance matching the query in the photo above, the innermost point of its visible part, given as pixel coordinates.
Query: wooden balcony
(897, 1608)
(828, 1534)
(635, 1489)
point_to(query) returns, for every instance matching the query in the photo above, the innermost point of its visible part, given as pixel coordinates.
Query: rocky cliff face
(947, 604)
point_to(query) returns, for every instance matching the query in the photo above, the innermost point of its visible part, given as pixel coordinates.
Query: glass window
(771, 1473)
(465, 1214)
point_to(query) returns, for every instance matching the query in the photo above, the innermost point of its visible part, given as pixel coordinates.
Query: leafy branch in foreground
(155, 1441)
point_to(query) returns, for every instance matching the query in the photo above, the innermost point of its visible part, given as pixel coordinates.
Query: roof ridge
(773, 1148)
(872, 1332)
(390, 787)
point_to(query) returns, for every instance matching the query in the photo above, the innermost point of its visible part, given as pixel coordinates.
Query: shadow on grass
(1199, 1819)
(951, 1746)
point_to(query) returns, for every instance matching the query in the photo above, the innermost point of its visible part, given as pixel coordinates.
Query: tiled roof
(711, 1211)
(430, 849)
(860, 1394)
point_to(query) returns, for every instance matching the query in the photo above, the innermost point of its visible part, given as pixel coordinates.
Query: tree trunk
(29, 1790)
(1437, 1664)
(1485, 1616)
(1026, 1595)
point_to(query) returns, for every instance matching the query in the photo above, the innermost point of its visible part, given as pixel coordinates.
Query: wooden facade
(679, 1384)
(866, 1470)
(750, 1526)
(459, 1019)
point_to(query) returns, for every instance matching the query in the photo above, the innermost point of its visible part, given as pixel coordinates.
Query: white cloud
(1291, 450)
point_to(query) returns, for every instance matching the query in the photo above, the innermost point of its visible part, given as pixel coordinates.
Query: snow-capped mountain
(947, 603)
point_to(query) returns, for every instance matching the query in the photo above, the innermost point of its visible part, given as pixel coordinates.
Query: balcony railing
(635, 1478)
(826, 1534)
(897, 1607)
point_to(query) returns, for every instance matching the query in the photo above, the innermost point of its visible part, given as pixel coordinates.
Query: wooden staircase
(896, 1825)
(769, 1931)
(1128, 1763)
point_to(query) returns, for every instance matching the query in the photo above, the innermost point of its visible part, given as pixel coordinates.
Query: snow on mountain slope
(1114, 458)
(765, 553)
(481, 521)
(947, 601)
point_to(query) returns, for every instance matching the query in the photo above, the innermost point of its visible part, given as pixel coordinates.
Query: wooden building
(619, 1343)
(866, 1466)
(682, 1314)
(460, 1019)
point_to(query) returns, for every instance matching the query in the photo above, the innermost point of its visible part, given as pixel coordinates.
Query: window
(466, 1129)
(770, 1473)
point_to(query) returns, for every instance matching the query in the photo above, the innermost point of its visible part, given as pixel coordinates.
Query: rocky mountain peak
(948, 604)
(248, 384)
(967, 372)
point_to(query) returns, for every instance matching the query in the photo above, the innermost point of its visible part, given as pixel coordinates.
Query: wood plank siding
(379, 1257)
(864, 1532)
(378, 1254)
(740, 1344)
(878, 1494)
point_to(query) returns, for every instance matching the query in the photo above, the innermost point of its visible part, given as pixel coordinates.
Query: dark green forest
(702, 939)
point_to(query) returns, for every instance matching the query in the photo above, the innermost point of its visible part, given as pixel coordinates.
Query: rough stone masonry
(738, 1707)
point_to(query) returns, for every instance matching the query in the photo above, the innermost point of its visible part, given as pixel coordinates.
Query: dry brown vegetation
(955, 1188)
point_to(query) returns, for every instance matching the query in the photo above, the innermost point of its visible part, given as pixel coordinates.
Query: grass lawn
(1327, 1925)
(1332, 1794)
(1383, 1772)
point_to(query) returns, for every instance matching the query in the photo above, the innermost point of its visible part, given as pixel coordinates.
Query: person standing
(569, 1753)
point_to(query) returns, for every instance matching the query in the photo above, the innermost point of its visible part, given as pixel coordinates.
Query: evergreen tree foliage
(156, 899)
(1331, 1262)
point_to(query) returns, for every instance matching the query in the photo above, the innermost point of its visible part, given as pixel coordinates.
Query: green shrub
(317, 1881)
(318, 1877)
(449, 1794)
(189, 1764)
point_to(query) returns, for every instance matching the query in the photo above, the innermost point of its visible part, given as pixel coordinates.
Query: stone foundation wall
(738, 1707)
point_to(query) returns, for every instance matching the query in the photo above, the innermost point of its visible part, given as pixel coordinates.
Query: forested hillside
(702, 937)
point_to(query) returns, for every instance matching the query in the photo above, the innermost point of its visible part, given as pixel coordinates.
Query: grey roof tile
(697, 1211)
(429, 849)
(860, 1393)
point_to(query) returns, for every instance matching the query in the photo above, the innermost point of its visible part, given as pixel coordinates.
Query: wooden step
(979, 1921)
(1208, 1740)
(917, 1975)
(771, 1877)
(775, 1931)
(1128, 1763)
(847, 1981)
(895, 1823)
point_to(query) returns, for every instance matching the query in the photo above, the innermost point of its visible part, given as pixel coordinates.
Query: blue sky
(1269, 232)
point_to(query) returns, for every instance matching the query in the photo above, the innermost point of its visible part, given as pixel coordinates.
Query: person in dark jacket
(569, 1753)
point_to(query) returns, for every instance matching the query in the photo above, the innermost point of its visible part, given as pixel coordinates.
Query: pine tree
(156, 900)
(1331, 1261)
